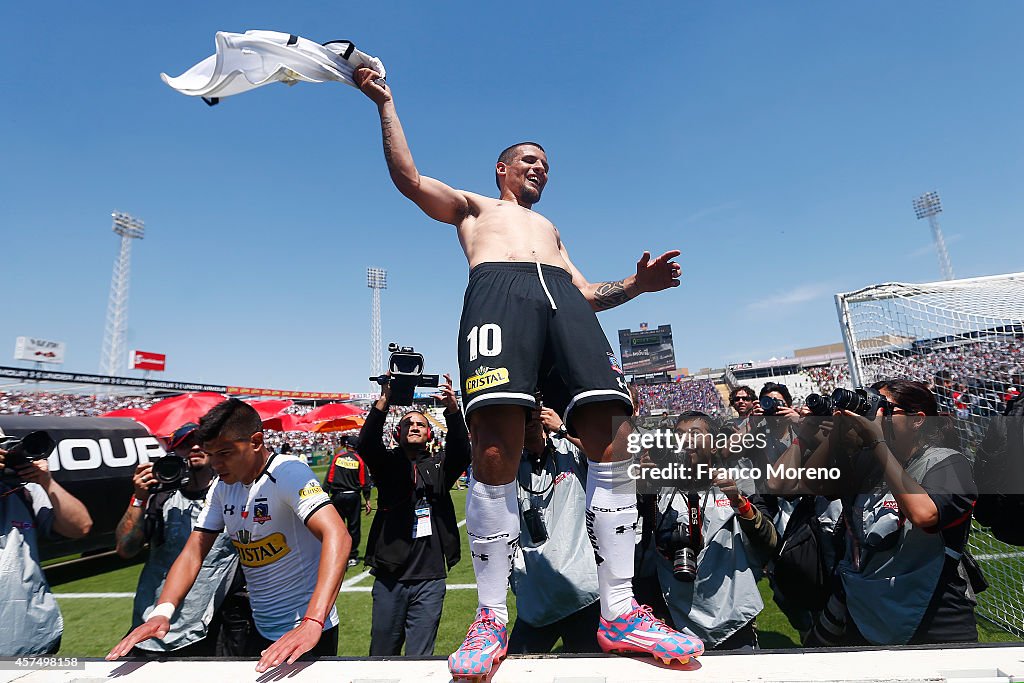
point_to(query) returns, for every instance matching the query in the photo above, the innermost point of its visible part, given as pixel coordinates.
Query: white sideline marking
(344, 589)
(347, 587)
(999, 556)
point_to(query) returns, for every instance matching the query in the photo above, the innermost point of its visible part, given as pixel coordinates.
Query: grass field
(93, 625)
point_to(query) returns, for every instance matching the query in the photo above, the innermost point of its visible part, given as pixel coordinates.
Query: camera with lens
(684, 541)
(865, 402)
(171, 472)
(22, 450)
(406, 374)
(771, 405)
(821, 406)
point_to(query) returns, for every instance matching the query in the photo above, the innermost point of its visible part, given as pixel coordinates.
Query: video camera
(406, 374)
(22, 450)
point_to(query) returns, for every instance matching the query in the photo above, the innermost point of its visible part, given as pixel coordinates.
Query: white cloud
(792, 297)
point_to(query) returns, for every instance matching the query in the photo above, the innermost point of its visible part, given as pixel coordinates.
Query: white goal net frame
(964, 337)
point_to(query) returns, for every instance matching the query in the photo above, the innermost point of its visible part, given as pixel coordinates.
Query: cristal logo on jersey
(312, 488)
(347, 462)
(261, 511)
(262, 552)
(485, 378)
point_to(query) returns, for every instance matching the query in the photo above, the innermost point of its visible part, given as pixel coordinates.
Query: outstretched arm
(437, 200)
(651, 276)
(179, 581)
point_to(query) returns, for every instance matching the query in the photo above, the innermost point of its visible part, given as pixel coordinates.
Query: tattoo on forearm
(130, 535)
(610, 294)
(385, 130)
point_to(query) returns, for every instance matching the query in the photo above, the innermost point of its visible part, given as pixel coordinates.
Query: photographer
(414, 538)
(288, 535)
(164, 514)
(742, 399)
(32, 506)
(907, 500)
(554, 574)
(711, 542)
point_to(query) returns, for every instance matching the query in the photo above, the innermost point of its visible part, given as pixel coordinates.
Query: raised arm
(437, 200)
(651, 276)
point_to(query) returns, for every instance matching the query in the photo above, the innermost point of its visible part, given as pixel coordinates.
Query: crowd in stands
(676, 397)
(829, 377)
(974, 378)
(68, 405)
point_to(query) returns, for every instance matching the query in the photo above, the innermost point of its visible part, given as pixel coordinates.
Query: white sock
(611, 524)
(492, 522)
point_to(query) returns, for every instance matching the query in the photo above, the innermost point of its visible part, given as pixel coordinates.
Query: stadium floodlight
(376, 280)
(929, 206)
(114, 354)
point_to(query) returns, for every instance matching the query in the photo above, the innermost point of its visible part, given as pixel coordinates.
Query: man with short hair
(528, 308)
(290, 541)
(742, 400)
(165, 519)
(414, 539)
(731, 537)
(32, 506)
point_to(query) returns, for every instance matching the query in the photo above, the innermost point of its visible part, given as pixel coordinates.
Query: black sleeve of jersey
(457, 451)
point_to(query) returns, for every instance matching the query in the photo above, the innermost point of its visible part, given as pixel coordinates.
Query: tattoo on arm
(385, 130)
(609, 295)
(131, 534)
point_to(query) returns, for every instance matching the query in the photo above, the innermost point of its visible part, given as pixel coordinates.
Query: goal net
(966, 339)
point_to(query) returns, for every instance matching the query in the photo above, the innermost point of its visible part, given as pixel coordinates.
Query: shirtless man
(527, 308)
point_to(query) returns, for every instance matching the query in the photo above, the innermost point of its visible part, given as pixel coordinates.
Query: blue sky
(778, 145)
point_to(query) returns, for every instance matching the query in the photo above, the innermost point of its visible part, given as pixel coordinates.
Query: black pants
(327, 647)
(349, 506)
(578, 632)
(405, 612)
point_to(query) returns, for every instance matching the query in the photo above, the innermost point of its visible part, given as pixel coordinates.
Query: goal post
(966, 339)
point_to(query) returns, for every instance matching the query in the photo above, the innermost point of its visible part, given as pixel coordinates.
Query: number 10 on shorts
(485, 339)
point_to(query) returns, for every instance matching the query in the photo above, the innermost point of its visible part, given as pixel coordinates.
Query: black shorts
(526, 329)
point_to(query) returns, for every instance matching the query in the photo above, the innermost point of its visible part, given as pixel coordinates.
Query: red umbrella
(339, 424)
(285, 423)
(271, 407)
(164, 417)
(331, 411)
(125, 412)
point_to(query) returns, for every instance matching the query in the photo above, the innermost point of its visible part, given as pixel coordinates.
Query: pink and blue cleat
(638, 631)
(485, 645)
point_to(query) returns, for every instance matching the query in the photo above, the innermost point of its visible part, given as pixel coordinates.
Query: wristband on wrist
(315, 621)
(137, 502)
(744, 507)
(164, 609)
